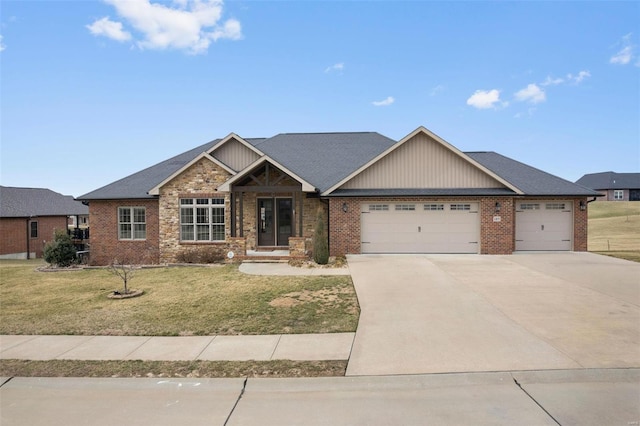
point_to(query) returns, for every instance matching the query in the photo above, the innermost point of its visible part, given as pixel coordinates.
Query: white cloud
(2, 46)
(108, 28)
(485, 99)
(577, 79)
(552, 81)
(437, 89)
(532, 93)
(335, 67)
(624, 55)
(189, 25)
(385, 102)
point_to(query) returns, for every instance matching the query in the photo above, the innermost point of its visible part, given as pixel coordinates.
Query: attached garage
(431, 227)
(544, 225)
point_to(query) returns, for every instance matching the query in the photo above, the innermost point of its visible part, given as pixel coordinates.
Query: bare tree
(125, 271)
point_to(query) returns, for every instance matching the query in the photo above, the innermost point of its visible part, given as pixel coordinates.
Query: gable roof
(138, 185)
(438, 140)
(530, 180)
(28, 202)
(324, 159)
(610, 180)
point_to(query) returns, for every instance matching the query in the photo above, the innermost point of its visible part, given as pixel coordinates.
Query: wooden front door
(275, 220)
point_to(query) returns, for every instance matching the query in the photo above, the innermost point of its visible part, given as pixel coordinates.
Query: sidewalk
(297, 347)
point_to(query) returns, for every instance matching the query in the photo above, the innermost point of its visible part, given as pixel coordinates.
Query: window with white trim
(132, 223)
(460, 207)
(378, 207)
(405, 207)
(618, 194)
(202, 219)
(434, 207)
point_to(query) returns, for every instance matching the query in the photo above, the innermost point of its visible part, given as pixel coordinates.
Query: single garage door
(544, 225)
(420, 227)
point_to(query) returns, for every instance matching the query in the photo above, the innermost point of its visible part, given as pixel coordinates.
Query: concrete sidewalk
(569, 397)
(297, 347)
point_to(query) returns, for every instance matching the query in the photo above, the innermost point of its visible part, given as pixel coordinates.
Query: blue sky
(92, 91)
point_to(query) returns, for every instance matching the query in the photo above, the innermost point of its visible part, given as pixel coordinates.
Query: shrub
(60, 252)
(320, 243)
(201, 255)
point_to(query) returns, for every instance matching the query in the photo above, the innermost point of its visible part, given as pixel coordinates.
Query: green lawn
(177, 301)
(614, 226)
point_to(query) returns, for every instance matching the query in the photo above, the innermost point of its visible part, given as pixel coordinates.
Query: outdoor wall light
(345, 207)
(583, 206)
(498, 207)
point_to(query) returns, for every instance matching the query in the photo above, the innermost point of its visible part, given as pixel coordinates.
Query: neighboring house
(377, 195)
(614, 186)
(30, 216)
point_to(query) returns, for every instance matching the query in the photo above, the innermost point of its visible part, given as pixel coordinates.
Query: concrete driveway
(455, 313)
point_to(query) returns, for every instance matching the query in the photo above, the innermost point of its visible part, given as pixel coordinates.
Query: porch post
(241, 214)
(233, 214)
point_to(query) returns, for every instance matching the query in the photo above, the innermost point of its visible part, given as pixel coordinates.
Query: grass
(177, 301)
(614, 227)
(195, 369)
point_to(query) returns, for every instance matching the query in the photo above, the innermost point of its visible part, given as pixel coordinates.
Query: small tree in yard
(320, 243)
(123, 271)
(60, 252)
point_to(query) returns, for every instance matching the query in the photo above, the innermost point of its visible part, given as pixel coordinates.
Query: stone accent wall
(297, 247)
(104, 243)
(198, 181)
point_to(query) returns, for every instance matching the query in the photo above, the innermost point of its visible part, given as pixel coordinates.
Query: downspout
(591, 201)
(28, 239)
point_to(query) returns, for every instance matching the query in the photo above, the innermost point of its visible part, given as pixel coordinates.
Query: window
(618, 194)
(460, 206)
(202, 219)
(378, 207)
(554, 206)
(132, 223)
(33, 229)
(405, 207)
(434, 206)
(529, 206)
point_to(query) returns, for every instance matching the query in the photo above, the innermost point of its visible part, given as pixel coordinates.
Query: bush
(320, 243)
(60, 252)
(202, 255)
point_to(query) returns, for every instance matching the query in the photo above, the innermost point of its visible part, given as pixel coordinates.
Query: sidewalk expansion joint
(5, 382)
(244, 386)
(534, 400)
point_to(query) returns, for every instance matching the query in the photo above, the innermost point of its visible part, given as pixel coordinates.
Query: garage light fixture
(583, 206)
(345, 207)
(498, 207)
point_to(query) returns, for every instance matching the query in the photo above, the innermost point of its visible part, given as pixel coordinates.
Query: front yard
(177, 301)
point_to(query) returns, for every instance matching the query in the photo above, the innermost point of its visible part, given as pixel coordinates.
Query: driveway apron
(453, 313)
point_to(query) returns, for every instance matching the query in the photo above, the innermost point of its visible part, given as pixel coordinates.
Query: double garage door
(420, 227)
(454, 227)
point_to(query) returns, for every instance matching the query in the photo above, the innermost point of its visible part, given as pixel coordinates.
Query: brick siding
(14, 233)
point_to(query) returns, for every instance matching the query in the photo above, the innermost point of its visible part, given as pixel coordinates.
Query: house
(29, 218)
(614, 186)
(377, 195)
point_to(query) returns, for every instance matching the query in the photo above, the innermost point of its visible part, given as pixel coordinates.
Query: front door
(275, 220)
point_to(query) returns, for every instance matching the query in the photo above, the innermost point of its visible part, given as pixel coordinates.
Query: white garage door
(544, 225)
(420, 227)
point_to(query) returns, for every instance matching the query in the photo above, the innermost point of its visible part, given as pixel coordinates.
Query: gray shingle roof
(610, 180)
(324, 159)
(28, 202)
(528, 179)
(138, 184)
